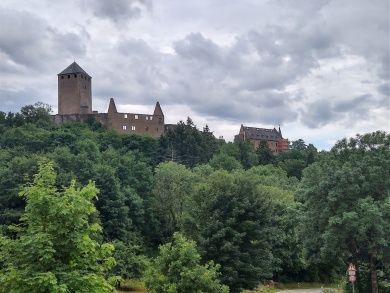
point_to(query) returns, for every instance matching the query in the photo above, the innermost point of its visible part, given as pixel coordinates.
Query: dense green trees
(346, 205)
(55, 250)
(299, 215)
(231, 221)
(187, 145)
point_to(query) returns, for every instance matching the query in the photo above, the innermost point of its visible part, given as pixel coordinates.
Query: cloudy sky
(319, 68)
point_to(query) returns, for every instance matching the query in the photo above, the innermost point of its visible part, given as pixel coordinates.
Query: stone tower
(74, 91)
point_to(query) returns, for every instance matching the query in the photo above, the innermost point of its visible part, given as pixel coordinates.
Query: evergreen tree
(247, 154)
(231, 221)
(264, 154)
(187, 145)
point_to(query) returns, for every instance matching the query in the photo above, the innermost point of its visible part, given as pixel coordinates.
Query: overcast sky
(319, 68)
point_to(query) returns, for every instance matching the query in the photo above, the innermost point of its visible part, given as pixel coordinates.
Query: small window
(147, 117)
(124, 127)
(81, 75)
(151, 118)
(132, 127)
(68, 75)
(75, 75)
(125, 116)
(135, 116)
(146, 128)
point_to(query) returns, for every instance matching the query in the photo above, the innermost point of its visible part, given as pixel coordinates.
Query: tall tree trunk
(374, 280)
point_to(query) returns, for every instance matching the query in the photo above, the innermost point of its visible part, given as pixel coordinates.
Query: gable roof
(261, 133)
(73, 68)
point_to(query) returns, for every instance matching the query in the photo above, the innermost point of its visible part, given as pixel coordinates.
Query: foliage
(264, 154)
(39, 113)
(346, 205)
(247, 155)
(177, 268)
(172, 187)
(56, 249)
(295, 160)
(231, 221)
(248, 210)
(225, 162)
(185, 144)
(130, 263)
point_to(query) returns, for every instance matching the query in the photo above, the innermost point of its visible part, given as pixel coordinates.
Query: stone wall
(74, 94)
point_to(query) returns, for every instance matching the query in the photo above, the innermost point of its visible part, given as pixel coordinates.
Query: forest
(85, 209)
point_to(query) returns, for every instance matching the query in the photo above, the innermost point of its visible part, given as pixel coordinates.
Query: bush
(177, 269)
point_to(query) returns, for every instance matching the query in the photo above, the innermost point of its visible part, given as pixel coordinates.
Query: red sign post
(352, 275)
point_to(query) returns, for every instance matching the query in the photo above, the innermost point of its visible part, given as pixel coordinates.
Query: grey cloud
(29, 41)
(196, 47)
(318, 114)
(13, 99)
(324, 111)
(384, 89)
(245, 81)
(118, 11)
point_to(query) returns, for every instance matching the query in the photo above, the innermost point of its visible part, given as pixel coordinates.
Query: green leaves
(56, 250)
(231, 221)
(177, 269)
(345, 195)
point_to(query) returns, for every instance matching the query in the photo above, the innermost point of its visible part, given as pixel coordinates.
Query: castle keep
(75, 104)
(74, 91)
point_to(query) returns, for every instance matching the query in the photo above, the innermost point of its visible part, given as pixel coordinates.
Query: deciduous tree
(178, 269)
(56, 248)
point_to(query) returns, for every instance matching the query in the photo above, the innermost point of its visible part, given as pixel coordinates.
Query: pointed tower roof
(157, 110)
(280, 132)
(112, 106)
(73, 68)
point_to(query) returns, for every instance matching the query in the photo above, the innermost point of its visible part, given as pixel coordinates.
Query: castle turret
(157, 110)
(112, 106)
(74, 91)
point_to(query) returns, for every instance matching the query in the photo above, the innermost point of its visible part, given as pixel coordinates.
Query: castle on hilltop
(75, 104)
(255, 136)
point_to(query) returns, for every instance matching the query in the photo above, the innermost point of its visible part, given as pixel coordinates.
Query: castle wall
(125, 123)
(131, 123)
(63, 118)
